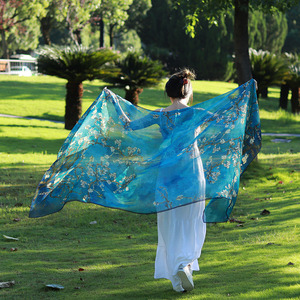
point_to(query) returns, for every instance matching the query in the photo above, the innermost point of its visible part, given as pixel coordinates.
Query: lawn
(114, 258)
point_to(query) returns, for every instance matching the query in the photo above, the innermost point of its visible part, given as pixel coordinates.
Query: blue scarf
(153, 162)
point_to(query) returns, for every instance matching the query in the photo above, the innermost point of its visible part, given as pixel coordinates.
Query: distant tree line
(154, 25)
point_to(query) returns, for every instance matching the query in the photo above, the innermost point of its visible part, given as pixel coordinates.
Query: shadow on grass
(30, 145)
(52, 249)
(32, 91)
(284, 126)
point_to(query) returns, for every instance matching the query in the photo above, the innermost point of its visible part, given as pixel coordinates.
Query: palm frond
(268, 69)
(137, 71)
(76, 63)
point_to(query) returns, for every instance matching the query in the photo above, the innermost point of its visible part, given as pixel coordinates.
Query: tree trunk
(46, 28)
(4, 45)
(295, 100)
(101, 38)
(241, 46)
(111, 35)
(73, 103)
(264, 93)
(284, 93)
(78, 36)
(133, 95)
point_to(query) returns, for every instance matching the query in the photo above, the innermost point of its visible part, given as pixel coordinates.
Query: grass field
(258, 259)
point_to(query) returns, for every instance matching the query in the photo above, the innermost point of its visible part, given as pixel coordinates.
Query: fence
(18, 67)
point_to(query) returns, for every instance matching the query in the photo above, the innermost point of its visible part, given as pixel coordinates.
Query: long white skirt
(181, 234)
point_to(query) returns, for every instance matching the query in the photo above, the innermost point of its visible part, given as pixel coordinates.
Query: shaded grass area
(117, 254)
(239, 261)
(44, 97)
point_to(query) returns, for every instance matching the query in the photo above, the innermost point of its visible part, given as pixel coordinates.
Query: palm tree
(76, 64)
(292, 82)
(267, 69)
(137, 72)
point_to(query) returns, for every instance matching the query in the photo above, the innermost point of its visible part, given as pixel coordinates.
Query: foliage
(75, 15)
(267, 31)
(292, 82)
(292, 42)
(267, 69)
(13, 15)
(137, 12)
(127, 40)
(75, 63)
(48, 22)
(212, 9)
(294, 67)
(137, 72)
(113, 13)
(164, 39)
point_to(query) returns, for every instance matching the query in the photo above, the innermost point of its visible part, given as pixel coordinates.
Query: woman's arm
(140, 123)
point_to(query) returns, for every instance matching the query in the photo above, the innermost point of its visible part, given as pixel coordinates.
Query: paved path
(28, 118)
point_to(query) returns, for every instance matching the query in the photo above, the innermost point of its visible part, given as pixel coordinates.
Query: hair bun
(186, 73)
(178, 86)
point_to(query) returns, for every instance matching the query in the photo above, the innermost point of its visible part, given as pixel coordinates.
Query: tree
(112, 13)
(49, 21)
(164, 39)
(292, 42)
(14, 14)
(75, 64)
(268, 69)
(292, 81)
(213, 8)
(137, 12)
(267, 31)
(137, 73)
(75, 14)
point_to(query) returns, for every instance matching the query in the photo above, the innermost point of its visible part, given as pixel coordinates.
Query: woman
(181, 231)
(114, 157)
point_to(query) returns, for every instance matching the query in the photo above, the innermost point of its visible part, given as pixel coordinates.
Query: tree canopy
(18, 17)
(211, 9)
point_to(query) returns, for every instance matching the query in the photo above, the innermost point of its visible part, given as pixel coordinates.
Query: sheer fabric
(153, 163)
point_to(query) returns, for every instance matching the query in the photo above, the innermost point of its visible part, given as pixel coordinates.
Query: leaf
(280, 182)
(55, 286)
(7, 284)
(265, 212)
(232, 220)
(80, 269)
(10, 238)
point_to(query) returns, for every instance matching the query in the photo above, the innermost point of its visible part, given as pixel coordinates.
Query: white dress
(181, 231)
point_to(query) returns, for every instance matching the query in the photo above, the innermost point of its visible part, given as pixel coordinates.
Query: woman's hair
(179, 85)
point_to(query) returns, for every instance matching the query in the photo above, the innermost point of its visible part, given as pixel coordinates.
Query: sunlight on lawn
(248, 260)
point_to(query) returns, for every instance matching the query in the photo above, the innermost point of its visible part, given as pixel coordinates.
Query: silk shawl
(105, 162)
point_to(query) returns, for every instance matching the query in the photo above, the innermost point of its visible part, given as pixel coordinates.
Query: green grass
(117, 254)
